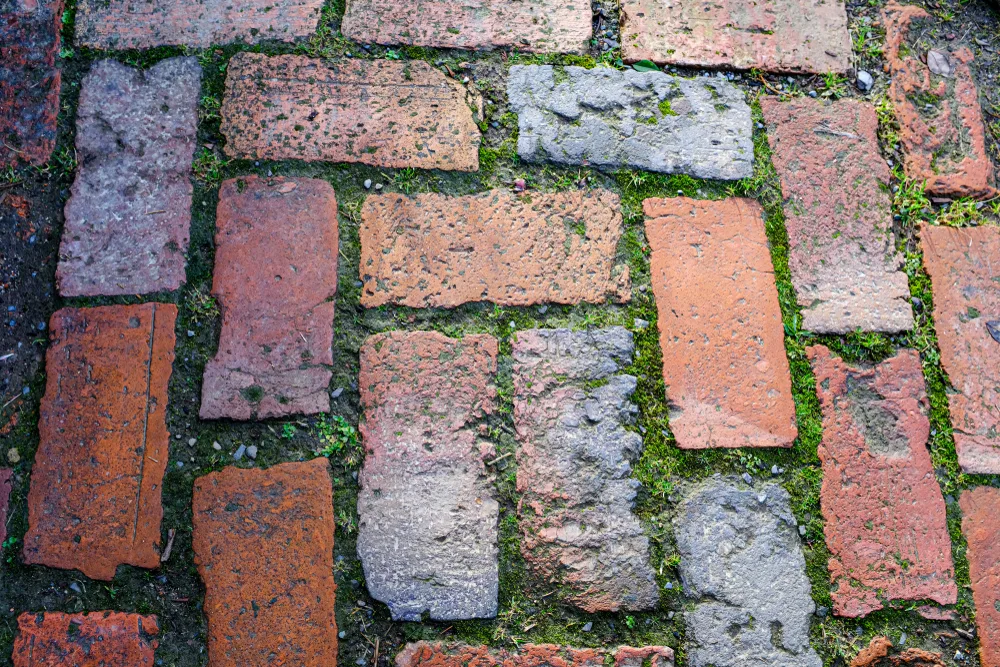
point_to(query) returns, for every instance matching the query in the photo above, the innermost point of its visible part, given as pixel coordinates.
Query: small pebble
(588, 626)
(774, 469)
(13, 456)
(252, 451)
(747, 478)
(75, 587)
(368, 184)
(378, 186)
(802, 531)
(180, 464)
(822, 612)
(670, 615)
(192, 441)
(761, 497)
(640, 324)
(336, 392)
(190, 334)
(216, 446)
(239, 452)
(865, 81)
(341, 634)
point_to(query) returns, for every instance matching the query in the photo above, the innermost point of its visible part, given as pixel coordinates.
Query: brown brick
(876, 654)
(539, 26)
(263, 544)
(275, 280)
(6, 483)
(94, 502)
(441, 654)
(885, 517)
(964, 267)
(721, 333)
(792, 36)
(981, 528)
(97, 639)
(379, 112)
(842, 251)
(432, 250)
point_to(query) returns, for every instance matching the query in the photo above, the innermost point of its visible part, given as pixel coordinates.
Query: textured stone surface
(431, 250)
(981, 528)
(740, 554)
(275, 281)
(539, 26)
(6, 483)
(380, 112)
(94, 502)
(29, 79)
(940, 122)
(885, 517)
(97, 639)
(876, 654)
(263, 544)
(777, 36)
(441, 654)
(611, 119)
(842, 251)
(721, 334)
(427, 534)
(964, 266)
(571, 404)
(128, 217)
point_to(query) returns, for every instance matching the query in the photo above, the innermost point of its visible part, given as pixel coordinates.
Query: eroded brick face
(6, 482)
(877, 654)
(97, 639)
(981, 528)
(94, 502)
(441, 654)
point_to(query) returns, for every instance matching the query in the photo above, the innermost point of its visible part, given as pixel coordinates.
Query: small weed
(338, 437)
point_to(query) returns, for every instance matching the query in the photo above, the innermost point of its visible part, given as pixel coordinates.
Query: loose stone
(981, 528)
(97, 639)
(440, 654)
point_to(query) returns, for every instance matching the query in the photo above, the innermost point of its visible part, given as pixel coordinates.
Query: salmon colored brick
(876, 654)
(981, 528)
(441, 654)
(97, 639)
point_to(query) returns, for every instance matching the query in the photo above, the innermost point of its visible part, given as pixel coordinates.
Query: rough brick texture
(964, 266)
(275, 281)
(431, 250)
(440, 654)
(263, 544)
(876, 654)
(721, 334)
(94, 502)
(838, 213)
(129, 212)
(379, 112)
(885, 517)
(6, 483)
(981, 528)
(97, 639)
(428, 520)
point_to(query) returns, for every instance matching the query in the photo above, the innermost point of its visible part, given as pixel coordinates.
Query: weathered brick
(794, 36)
(981, 528)
(538, 26)
(275, 281)
(97, 639)
(441, 654)
(964, 267)
(263, 544)
(885, 517)
(573, 472)
(721, 333)
(940, 122)
(6, 483)
(876, 654)
(838, 213)
(428, 520)
(379, 112)
(431, 250)
(129, 212)
(94, 502)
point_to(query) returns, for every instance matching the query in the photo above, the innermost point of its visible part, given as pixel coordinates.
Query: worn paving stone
(793, 36)
(129, 212)
(741, 555)
(574, 470)
(6, 484)
(613, 119)
(94, 502)
(842, 255)
(721, 333)
(964, 267)
(876, 654)
(541, 26)
(981, 528)
(379, 112)
(431, 250)
(97, 639)
(940, 122)
(427, 535)
(275, 280)
(441, 654)
(263, 544)
(885, 517)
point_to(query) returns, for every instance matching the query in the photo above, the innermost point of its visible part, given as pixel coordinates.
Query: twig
(170, 545)
(499, 458)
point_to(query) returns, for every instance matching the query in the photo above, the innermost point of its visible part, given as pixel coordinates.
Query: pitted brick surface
(431, 250)
(981, 528)
(6, 483)
(94, 502)
(876, 654)
(441, 654)
(842, 251)
(128, 217)
(721, 333)
(380, 112)
(263, 544)
(885, 517)
(612, 119)
(275, 279)
(97, 639)
(428, 520)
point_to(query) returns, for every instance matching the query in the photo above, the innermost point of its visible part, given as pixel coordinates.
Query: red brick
(842, 251)
(440, 654)
(944, 146)
(981, 528)
(275, 280)
(379, 112)
(431, 250)
(94, 502)
(6, 483)
(964, 267)
(721, 333)
(885, 517)
(540, 26)
(779, 36)
(263, 544)
(876, 654)
(97, 639)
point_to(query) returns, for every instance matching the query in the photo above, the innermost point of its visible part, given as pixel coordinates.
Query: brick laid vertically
(455, 654)
(96, 639)
(6, 484)
(981, 528)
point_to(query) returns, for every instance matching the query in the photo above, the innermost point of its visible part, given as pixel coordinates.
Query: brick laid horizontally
(97, 639)
(981, 528)
(441, 654)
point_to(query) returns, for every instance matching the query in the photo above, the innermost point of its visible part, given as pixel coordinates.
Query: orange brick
(441, 654)
(97, 639)
(981, 528)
